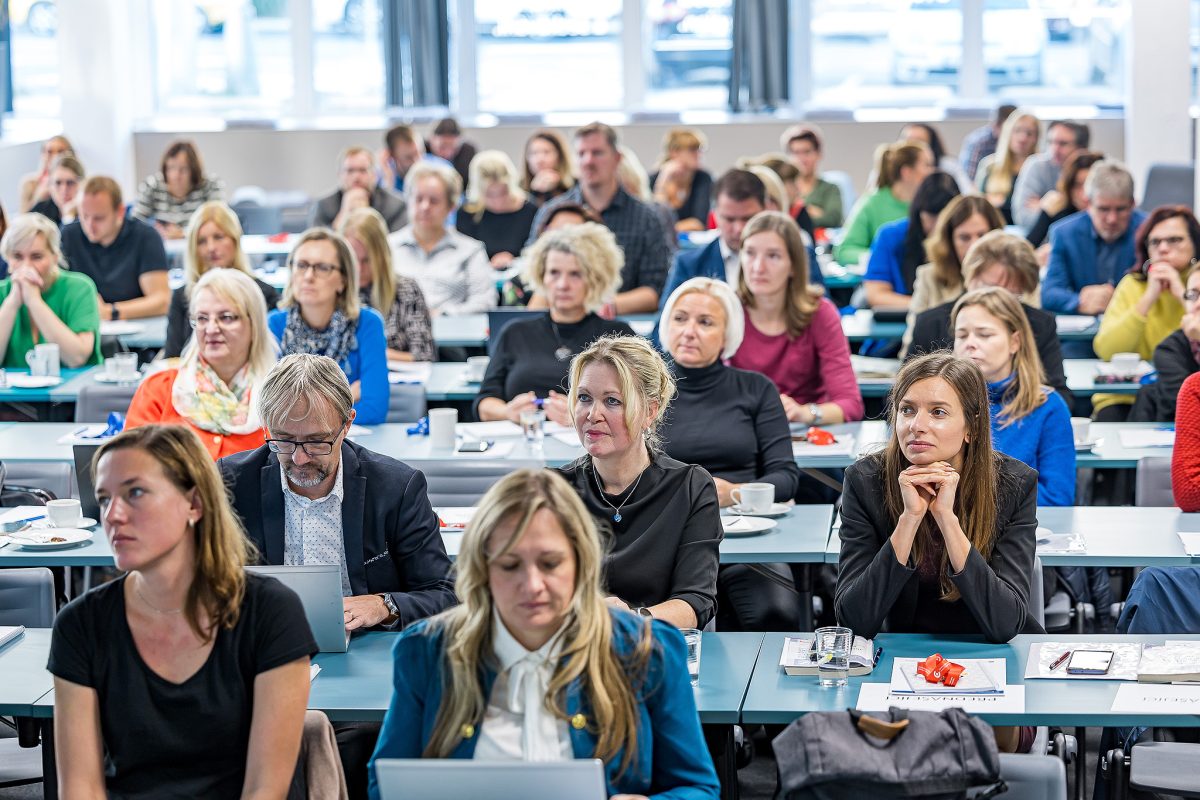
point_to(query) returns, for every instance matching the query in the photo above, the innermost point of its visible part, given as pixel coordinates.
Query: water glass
(692, 637)
(833, 646)
(533, 423)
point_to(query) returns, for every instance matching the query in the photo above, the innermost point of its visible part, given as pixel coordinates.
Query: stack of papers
(1107, 369)
(1073, 323)
(454, 518)
(409, 371)
(1191, 543)
(1173, 662)
(981, 689)
(980, 676)
(1147, 438)
(799, 658)
(844, 446)
(10, 632)
(1049, 543)
(488, 430)
(1124, 665)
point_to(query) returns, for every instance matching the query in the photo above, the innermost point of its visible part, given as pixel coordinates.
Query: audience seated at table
(1147, 305)
(1064, 200)
(214, 387)
(168, 199)
(397, 298)
(1004, 260)
(794, 206)
(899, 246)
(997, 174)
(1030, 421)
(214, 240)
(451, 269)
(1040, 172)
(546, 166)
(1185, 458)
(900, 169)
(184, 676)
(499, 678)
(62, 206)
(661, 516)
(636, 182)
(942, 161)
(123, 256)
(497, 211)
(35, 187)
(320, 314)
(575, 268)
(1175, 359)
(680, 182)
(731, 423)
(963, 221)
(358, 188)
(822, 199)
(639, 233)
(310, 496)
(1090, 250)
(447, 143)
(42, 301)
(981, 142)
(403, 147)
(793, 335)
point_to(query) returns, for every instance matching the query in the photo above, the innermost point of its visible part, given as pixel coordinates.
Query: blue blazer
(672, 761)
(366, 363)
(1073, 260)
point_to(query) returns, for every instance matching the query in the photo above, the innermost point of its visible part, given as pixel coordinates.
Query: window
(34, 30)
(348, 72)
(689, 51)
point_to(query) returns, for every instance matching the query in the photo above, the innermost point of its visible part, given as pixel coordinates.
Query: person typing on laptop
(310, 496)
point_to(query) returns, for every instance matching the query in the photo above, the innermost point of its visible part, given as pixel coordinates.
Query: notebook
(798, 657)
(10, 632)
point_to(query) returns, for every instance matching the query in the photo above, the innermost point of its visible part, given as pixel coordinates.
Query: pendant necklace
(600, 488)
(562, 352)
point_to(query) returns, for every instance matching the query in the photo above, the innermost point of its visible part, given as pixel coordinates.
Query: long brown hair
(566, 176)
(800, 301)
(609, 682)
(222, 549)
(947, 269)
(975, 499)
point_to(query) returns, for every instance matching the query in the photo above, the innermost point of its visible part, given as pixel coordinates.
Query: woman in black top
(214, 239)
(680, 184)
(1067, 198)
(546, 167)
(575, 269)
(497, 212)
(731, 422)
(661, 517)
(1175, 359)
(185, 677)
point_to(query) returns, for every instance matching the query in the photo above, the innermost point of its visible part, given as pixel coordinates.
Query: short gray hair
(723, 293)
(445, 173)
(1108, 178)
(23, 229)
(303, 376)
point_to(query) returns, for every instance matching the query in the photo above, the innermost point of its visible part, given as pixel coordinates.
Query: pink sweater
(812, 368)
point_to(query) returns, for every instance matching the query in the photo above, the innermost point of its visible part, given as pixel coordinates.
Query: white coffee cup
(121, 366)
(1079, 428)
(754, 498)
(441, 427)
(1126, 363)
(50, 351)
(37, 363)
(477, 368)
(64, 513)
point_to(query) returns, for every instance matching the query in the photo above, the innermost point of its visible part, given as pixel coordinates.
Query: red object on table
(820, 436)
(277, 238)
(929, 666)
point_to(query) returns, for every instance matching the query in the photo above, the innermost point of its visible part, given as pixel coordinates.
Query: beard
(306, 477)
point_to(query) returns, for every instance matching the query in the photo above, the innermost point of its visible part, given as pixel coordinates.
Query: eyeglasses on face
(287, 447)
(318, 267)
(225, 320)
(1170, 241)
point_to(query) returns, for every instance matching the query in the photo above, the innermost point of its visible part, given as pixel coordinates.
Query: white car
(927, 42)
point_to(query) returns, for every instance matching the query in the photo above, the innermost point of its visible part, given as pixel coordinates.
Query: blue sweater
(1042, 440)
(366, 363)
(887, 251)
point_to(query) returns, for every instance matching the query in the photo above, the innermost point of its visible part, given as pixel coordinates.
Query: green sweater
(876, 209)
(827, 197)
(73, 299)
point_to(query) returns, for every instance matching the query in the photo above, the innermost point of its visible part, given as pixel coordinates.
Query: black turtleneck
(731, 422)
(524, 360)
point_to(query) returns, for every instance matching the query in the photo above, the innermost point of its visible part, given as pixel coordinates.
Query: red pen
(1058, 662)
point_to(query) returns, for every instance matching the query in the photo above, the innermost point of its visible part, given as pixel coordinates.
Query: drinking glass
(692, 636)
(833, 655)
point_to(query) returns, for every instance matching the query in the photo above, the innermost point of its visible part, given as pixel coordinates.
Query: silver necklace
(600, 488)
(562, 352)
(168, 611)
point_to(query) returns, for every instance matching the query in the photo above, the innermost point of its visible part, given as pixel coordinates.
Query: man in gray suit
(357, 188)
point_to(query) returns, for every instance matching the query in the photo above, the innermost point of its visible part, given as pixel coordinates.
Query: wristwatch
(393, 611)
(815, 410)
(642, 611)
(116, 312)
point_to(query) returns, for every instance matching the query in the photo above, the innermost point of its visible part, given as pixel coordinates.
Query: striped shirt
(406, 324)
(154, 202)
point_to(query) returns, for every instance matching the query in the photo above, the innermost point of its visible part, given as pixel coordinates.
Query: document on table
(1146, 438)
(1049, 542)
(409, 371)
(879, 697)
(1191, 543)
(874, 370)
(563, 433)
(454, 518)
(487, 430)
(84, 434)
(313, 670)
(1157, 698)
(120, 327)
(979, 676)
(1124, 666)
(844, 446)
(1073, 323)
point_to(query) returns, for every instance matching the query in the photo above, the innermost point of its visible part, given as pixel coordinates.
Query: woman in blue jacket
(541, 668)
(320, 314)
(1030, 422)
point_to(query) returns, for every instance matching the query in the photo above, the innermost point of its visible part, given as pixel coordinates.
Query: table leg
(49, 765)
(804, 587)
(719, 739)
(821, 477)
(1081, 763)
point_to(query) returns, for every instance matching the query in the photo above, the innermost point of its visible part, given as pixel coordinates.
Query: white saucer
(746, 526)
(103, 377)
(1043, 535)
(1085, 446)
(776, 510)
(40, 539)
(22, 381)
(82, 522)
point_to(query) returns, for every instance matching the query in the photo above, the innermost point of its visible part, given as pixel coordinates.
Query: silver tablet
(455, 779)
(320, 590)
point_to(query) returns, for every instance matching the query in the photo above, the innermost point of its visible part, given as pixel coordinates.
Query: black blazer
(931, 331)
(392, 538)
(1174, 362)
(390, 205)
(874, 588)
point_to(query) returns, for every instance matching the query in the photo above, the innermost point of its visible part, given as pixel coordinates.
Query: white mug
(477, 368)
(37, 363)
(64, 513)
(52, 355)
(1079, 428)
(441, 427)
(1125, 363)
(754, 498)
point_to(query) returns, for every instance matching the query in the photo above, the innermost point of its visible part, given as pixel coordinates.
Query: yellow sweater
(1124, 330)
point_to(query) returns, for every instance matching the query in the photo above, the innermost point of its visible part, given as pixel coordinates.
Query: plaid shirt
(977, 144)
(638, 230)
(154, 202)
(406, 324)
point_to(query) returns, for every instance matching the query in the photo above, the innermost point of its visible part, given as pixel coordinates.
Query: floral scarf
(336, 341)
(200, 396)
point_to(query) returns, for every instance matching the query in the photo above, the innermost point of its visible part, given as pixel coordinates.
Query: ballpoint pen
(875, 661)
(1058, 662)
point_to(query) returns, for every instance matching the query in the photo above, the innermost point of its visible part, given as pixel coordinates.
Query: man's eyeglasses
(226, 320)
(1170, 241)
(319, 268)
(287, 447)
(1191, 295)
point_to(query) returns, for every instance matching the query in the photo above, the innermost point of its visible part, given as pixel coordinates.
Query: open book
(1174, 662)
(799, 657)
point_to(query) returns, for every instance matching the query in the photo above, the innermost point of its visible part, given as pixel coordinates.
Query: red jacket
(1185, 462)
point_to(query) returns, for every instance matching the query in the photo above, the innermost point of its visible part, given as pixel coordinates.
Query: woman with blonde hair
(546, 166)
(214, 240)
(900, 168)
(661, 516)
(997, 173)
(576, 270)
(498, 212)
(43, 301)
(680, 183)
(535, 666)
(398, 298)
(793, 334)
(214, 387)
(185, 676)
(321, 315)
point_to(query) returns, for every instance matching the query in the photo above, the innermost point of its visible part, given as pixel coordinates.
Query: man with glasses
(1040, 173)
(309, 496)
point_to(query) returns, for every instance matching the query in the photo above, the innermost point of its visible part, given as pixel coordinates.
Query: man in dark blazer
(358, 188)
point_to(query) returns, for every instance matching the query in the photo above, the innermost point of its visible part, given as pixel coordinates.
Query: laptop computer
(320, 589)
(84, 453)
(457, 779)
